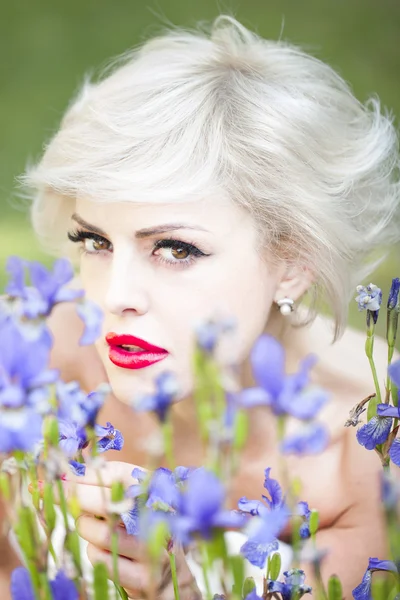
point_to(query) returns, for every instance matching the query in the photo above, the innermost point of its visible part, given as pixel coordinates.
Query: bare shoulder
(344, 366)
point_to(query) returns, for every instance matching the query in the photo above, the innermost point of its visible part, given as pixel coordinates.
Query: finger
(98, 533)
(91, 499)
(132, 576)
(107, 473)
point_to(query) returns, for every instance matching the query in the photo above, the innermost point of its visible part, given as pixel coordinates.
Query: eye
(177, 253)
(91, 243)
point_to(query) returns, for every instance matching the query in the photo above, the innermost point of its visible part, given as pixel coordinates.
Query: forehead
(214, 214)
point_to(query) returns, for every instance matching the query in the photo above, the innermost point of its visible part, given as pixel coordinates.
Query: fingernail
(63, 477)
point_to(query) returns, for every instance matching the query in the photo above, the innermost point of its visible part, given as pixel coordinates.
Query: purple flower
(304, 512)
(73, 438)
(394, 372)
(163, 488)
(92, 316)
(62, 588)
(375, 432)
(285, 394)
(130, 519)
(110, 438)
(208, 333)
(74, 405)
(161, 401)
(310, 439)
(78, 469)
(363, 590)
(199, 512)
(393, 294)
(293, 586)
(252, 595)
(24, 392)
(48, 288)
(370, 298)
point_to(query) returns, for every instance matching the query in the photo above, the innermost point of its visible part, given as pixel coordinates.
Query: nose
(126, 289)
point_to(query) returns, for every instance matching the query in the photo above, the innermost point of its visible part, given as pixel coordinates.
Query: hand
(133, 568)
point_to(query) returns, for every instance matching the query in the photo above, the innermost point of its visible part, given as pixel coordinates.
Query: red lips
(133, 358)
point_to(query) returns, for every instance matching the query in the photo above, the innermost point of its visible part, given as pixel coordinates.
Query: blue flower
(304, 512)
(310, 439)
(370, 298)
(394, 372)
(163, 487)
(208, 334)
(252, 595)
(48, 288)
(285, 394)
(257, 553)
(61, 587)
(363, 590)
(24, 391)
(73, 438)
(375, 432)
(160, 402)
(74, 405)
(199, 512)
(92, 317)
(110, 438)
(130, 519)
(293, 586)
(393, 297)
(77, 468)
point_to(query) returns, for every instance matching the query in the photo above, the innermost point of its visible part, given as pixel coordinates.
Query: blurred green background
(47, 46)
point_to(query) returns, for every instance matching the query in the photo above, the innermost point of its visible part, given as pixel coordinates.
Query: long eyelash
(175, 244)
(79, 235)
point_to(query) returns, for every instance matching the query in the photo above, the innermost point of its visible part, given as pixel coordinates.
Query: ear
(293, 283)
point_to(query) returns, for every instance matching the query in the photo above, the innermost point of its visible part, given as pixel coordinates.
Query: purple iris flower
(394, 292)
(304, 512)
(293, 586)
(130, 519)
(48, 288)
(311, 438)
(163, 489)
(363, 590)
(271, 517)
(61, 587)
(252, 595)
(109, 438)
(77, 406)
(208, 333)
(370, 298)
(160, 402)
(199, 512)
(285, 394)
(73, 438)
(92, 317)
(24, 392)
(375, 432)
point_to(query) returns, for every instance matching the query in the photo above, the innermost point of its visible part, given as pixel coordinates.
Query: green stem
(205, 566)
(120, 591)
(172, 562)
(377, 400)
(168, 444)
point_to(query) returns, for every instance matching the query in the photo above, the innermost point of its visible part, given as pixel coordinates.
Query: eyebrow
(141, 233)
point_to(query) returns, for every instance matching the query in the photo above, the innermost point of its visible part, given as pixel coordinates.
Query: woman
(224, 174)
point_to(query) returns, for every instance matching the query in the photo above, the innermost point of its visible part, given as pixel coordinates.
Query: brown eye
(179, 253)
(99, 245)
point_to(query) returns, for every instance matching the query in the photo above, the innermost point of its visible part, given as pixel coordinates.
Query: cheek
(93, 275)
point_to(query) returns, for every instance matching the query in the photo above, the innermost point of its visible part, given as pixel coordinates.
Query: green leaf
(48, 507)
(237, 565)
(100, 581)
(335, 591)
(314, 522)
(248, 586)
(158, 540)
(117, 492)
(275, 566)
(241, 429)
(73, 545)
(5, 490)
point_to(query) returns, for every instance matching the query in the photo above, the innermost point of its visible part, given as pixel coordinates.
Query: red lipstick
(130, 352)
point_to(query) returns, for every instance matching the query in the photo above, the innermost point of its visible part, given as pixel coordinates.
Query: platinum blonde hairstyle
(191, 113)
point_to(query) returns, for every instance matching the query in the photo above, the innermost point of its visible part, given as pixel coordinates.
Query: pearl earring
(286, 306)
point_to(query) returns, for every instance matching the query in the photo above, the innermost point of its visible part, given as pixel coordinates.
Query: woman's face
(158, 270)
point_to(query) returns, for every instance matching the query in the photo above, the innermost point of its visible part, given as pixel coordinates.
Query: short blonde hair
(191, 113)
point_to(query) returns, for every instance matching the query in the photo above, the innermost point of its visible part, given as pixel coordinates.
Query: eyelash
(79, 236)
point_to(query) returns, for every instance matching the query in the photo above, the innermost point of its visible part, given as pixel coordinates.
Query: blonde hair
(190, 113)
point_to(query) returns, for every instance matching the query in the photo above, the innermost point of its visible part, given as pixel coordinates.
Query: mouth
(129, 352)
